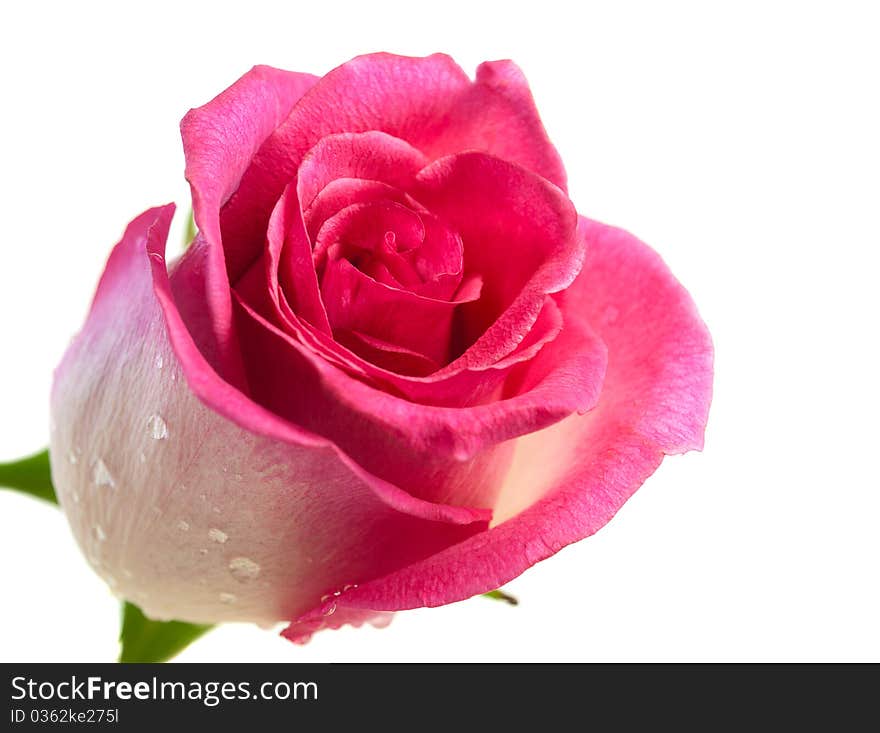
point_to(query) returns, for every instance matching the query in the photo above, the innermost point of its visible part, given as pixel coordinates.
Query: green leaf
(500, 595)
(30, 475)
(145, 640)
(190, 234)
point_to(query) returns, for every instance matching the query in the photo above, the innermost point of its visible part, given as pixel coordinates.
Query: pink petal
(373, 156)
(518, 231)
(343, 192)
(221, 137)
(291, 280)
(190, 499)
(219, 140)
(330, 616)
(386, 355)
(567, 481)
(497, 115)
(356, 302)
(404, 97)
(428, 102)
(442, 455)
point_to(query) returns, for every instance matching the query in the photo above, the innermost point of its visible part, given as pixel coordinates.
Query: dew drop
(100, 534)
(101, 475)
(243, 568)
(143, 457)
(160, 362)
(227, 598)
(218, 535)
(72, 457)
(183, 525)
(157, 428)
(216, 510)
(329, 610)
(75, 496)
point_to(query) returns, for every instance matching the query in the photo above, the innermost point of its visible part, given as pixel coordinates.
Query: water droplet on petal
(100, 534)
(160, 362)
(143, 457)
(157, 428)
(183, 525)
(329, 610)
(218, 535)
(101, 475)
(243, 568)
(71, 457)
(75, 496)
(227, 598)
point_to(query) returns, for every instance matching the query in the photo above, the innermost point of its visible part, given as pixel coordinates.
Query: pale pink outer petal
(181, 509)
(568, 480)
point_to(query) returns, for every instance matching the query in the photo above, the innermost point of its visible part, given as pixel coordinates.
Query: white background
(739, 139)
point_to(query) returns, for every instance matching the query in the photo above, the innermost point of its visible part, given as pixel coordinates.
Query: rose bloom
(394, 369)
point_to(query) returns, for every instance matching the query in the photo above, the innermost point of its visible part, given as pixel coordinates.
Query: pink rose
(394, 369)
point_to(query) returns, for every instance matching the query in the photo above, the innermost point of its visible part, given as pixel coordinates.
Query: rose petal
(356, 302)
(428, 102)
(579, 472)
(373, 156)
(330, 616)
(444, 455)
(497, 115)
(343, 192)
(219, 141)
(291, 280)
(519, 233)
(161, 497)
(386, 355)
